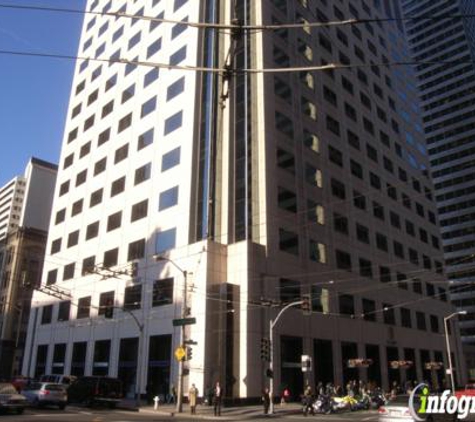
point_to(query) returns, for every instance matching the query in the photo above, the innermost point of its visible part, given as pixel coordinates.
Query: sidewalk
(207, 412)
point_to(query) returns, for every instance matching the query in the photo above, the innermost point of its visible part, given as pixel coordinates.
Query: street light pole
(447, 342)
(272, 324)
(179, 399)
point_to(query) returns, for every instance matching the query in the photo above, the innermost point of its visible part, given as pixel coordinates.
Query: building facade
(22, 249)
(447, 96)
(185, 191)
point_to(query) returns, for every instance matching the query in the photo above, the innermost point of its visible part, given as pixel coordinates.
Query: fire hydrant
(156, 400)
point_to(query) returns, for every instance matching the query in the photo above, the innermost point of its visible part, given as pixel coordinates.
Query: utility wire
(271, 27)
(330, 66)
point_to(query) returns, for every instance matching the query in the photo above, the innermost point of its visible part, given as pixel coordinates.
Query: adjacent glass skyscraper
(444, 46)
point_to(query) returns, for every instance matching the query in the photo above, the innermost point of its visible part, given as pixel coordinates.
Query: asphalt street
(106, 415)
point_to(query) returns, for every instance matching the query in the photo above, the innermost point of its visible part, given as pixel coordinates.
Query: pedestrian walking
(266, 400)
(217, 397)
(192, 397)
(172, 395)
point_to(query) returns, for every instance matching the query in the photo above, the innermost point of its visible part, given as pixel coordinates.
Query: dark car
(10, 399)
(96, 390)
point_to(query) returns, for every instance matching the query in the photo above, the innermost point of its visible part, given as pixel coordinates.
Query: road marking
(53, 414)
(370, 418)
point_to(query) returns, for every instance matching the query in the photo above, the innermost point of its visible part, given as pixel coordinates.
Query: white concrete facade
(245, 199)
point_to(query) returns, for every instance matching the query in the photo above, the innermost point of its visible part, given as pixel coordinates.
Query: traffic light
(265, 349)
(306, 304)
(189, 353)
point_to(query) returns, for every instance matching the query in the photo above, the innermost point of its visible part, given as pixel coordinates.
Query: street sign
(180, 353)
(190, 342)
(183, 321)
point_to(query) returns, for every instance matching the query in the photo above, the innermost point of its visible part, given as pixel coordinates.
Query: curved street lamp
(447, 342)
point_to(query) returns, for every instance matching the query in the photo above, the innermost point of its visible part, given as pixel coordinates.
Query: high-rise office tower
(25, 210)
(447, 90)
(196, 188)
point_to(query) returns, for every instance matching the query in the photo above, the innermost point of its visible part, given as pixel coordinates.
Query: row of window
(164, 241)
(289, 242)
(162, 294)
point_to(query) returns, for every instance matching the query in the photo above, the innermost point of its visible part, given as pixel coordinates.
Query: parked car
(58, 379)
(44, 394)
(96, 390)
(10, 399)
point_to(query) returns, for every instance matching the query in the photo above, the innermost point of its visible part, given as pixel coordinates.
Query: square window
(106, 304)
(150, 76)
(128, 93)
(114, 221)
(288, 242)
(121, 153)
(96, 198)
(179, 28)
(168, 198)
(177, 57)
(176, 88)
(139, 210)
(134, 40)
(100, 166)
(165, 240)
(60, 216)
(85, 149)
(124, 123)
(145, 139)
(55, 246)
(133, 297)
(64, 310)
(68, 272)
(84, 307)
(81, 178)
(171, 159)
(148, 107)
(154, 48)
(111, 257)
(173, 122)
(76, 208)
(142, 174)
(107, 109)
(51, 277)
(117, 186)
(88, 265)
(136, 250)
(162, 292)
(104, 137)
(92, 230)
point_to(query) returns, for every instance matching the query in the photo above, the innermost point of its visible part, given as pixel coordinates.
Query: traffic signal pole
(272, 324)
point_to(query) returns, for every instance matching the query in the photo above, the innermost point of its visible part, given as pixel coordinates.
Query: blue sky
(34, 92)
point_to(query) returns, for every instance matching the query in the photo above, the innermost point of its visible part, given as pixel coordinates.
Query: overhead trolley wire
(267, 27)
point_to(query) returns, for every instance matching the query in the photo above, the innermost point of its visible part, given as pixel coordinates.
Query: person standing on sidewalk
(266, 400)
(192, 396)
(217, 396)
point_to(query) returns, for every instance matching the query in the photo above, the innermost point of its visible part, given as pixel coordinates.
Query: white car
(10, 399)
(46, 394)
